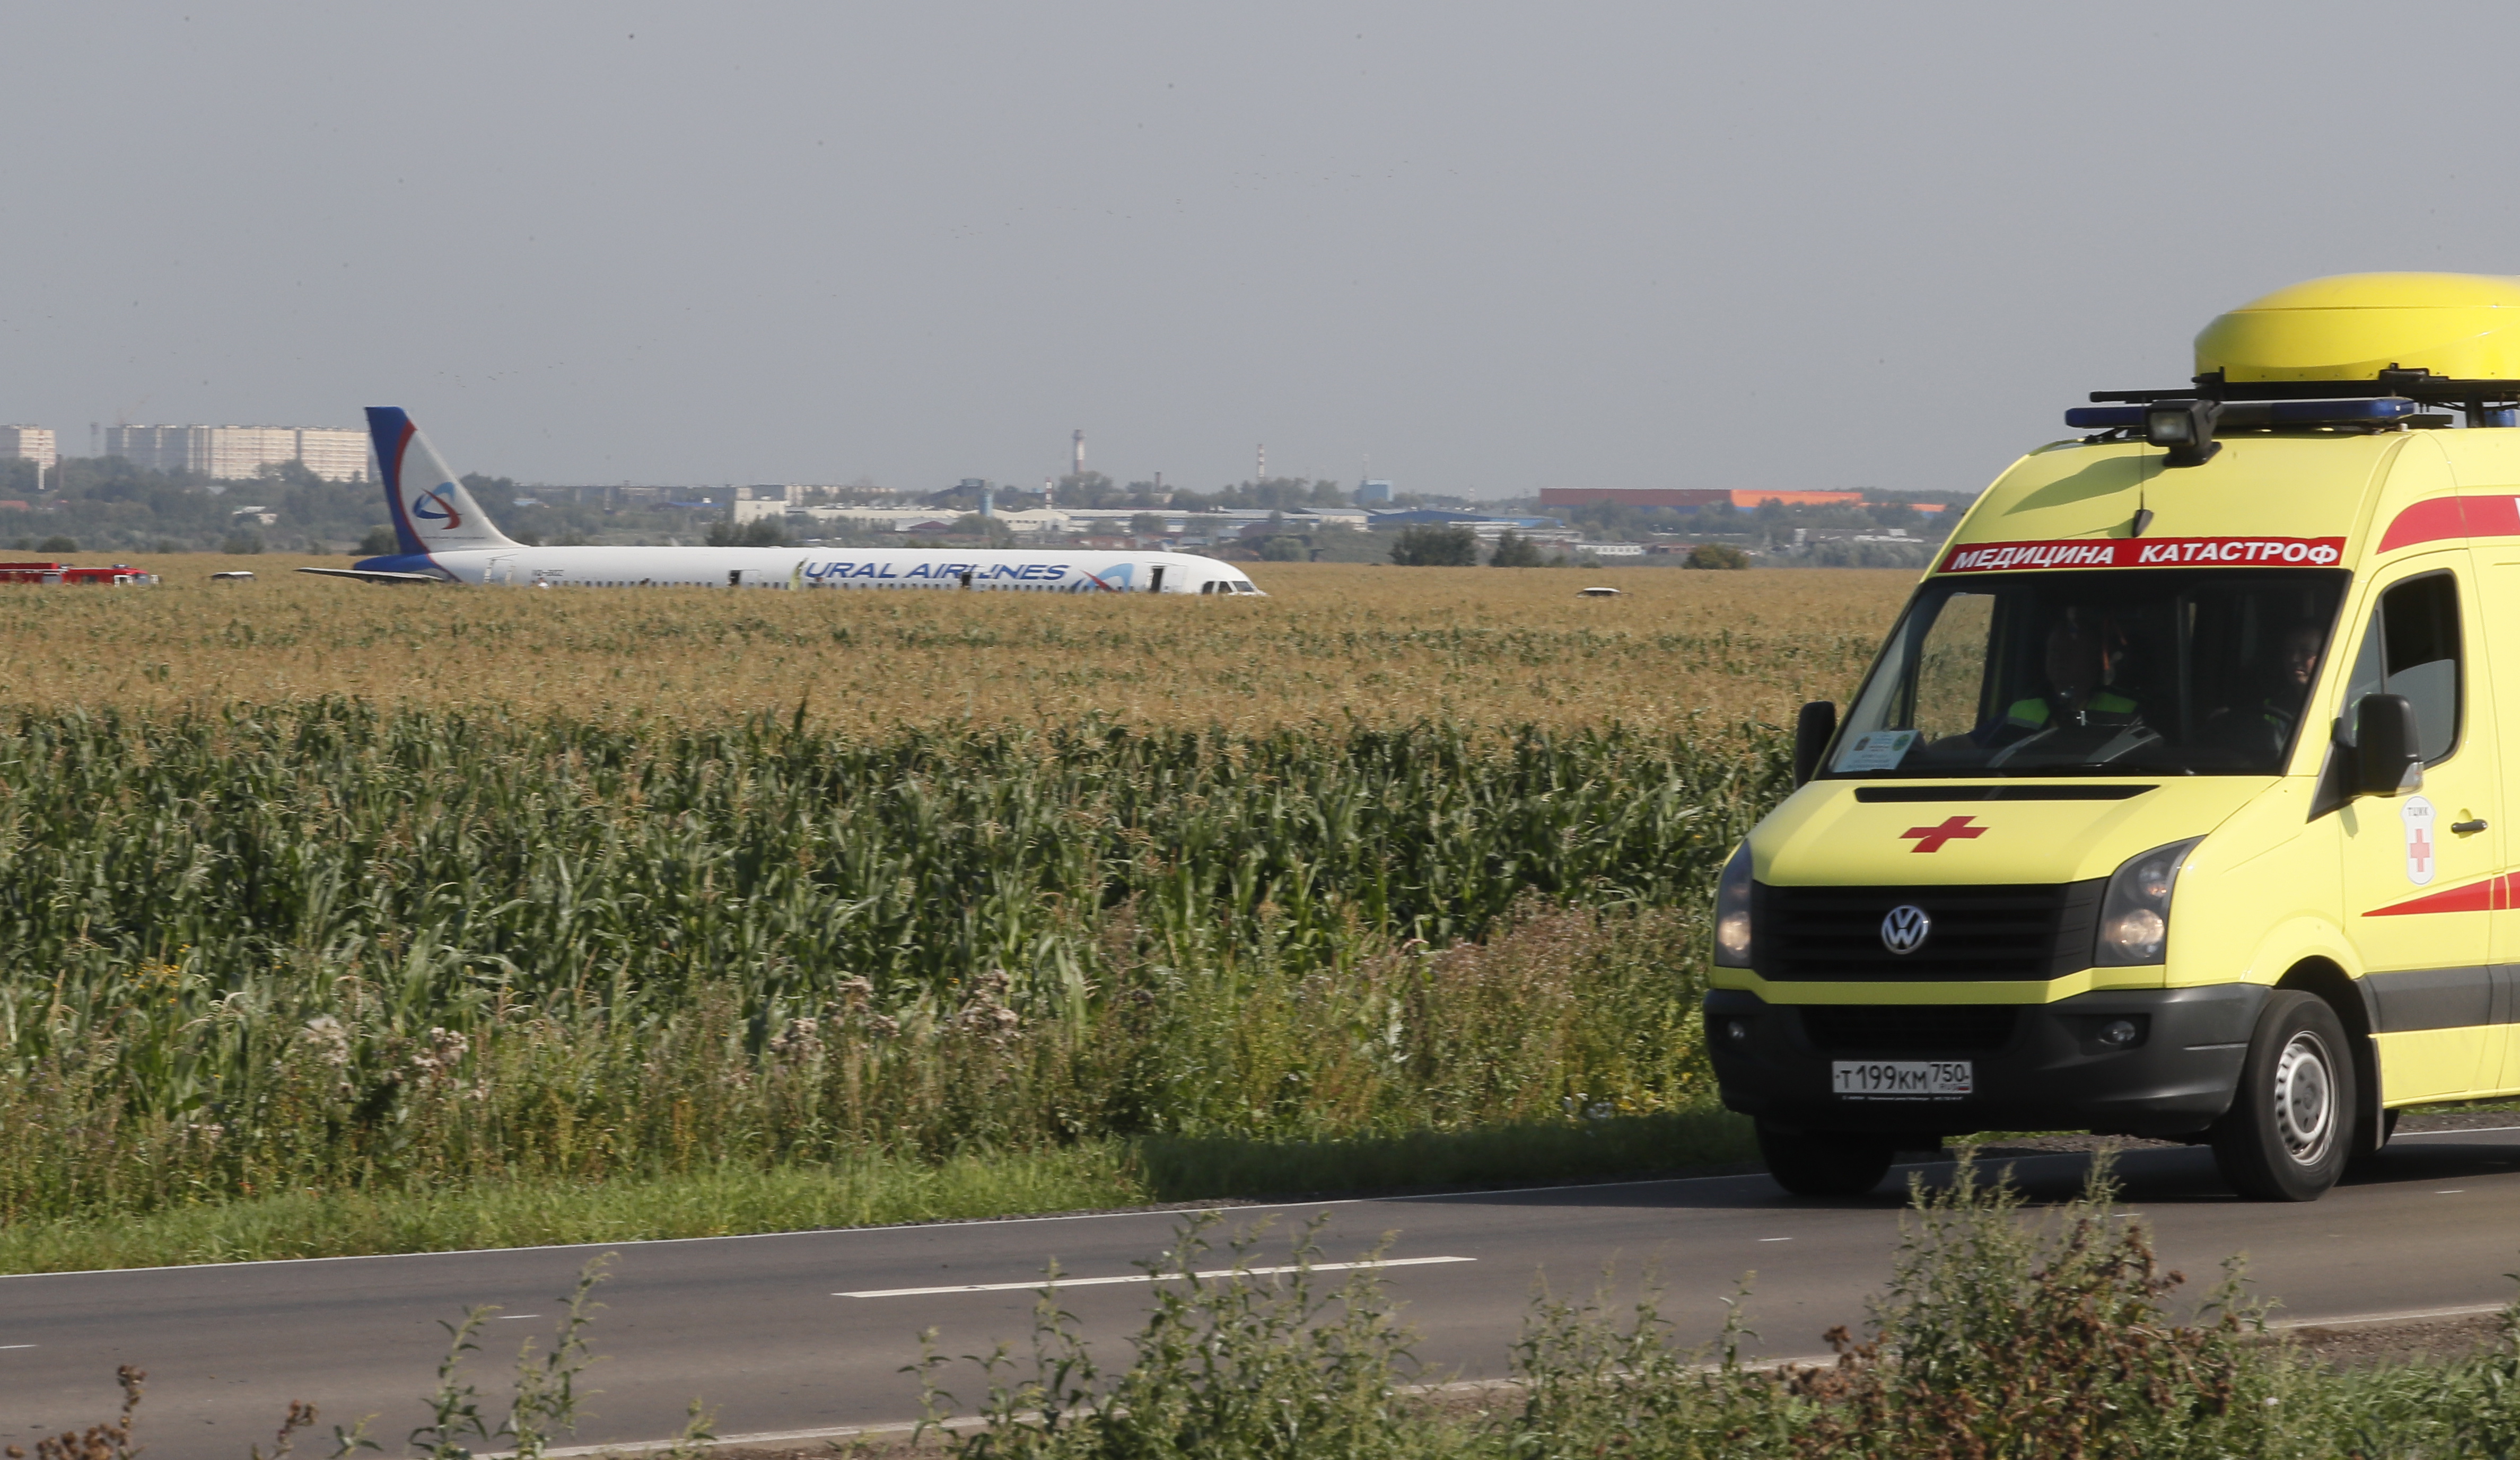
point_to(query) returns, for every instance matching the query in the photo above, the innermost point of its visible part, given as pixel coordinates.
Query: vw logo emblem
(1904, 928)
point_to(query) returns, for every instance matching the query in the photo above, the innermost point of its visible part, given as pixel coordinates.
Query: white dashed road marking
(1140, 1277)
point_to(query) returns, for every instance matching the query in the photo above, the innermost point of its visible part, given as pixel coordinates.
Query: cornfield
(329, 945)
(312, 887)
(1378, 646)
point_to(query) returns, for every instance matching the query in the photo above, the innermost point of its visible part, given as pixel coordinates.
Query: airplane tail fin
(427, 502)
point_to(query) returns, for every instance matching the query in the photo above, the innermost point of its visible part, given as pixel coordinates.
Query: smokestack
(1079, 468)
(1263, 462)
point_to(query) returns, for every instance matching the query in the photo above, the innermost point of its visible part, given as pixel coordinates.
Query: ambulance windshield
(2179, 670)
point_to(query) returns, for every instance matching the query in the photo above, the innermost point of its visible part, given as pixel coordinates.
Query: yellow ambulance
(2173, 806)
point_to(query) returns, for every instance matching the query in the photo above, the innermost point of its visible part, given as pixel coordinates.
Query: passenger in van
(2077, 665)
(2267, 729)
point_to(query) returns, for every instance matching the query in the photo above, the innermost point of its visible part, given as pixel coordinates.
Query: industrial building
(1215, 523)
(231, 453)
(1692, 499)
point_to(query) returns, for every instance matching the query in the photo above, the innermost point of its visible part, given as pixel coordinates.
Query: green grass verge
(861, 1193)
(531, 1214)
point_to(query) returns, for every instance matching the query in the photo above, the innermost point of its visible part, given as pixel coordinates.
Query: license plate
(1902, 1079)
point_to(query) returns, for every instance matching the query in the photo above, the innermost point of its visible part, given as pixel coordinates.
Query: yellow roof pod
(2351, 326)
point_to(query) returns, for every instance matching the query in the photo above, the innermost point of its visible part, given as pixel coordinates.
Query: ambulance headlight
(2134, 912)
(1733, 911)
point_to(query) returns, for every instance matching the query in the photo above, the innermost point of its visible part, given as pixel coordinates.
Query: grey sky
(1495, 248)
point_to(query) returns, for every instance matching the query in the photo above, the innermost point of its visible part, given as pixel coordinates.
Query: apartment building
(232, 453)
(32, 442)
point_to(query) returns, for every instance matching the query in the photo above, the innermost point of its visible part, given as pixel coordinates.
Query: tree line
(109, 505)
(1458, 547)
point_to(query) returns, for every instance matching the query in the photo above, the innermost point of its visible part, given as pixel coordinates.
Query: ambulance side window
(2412, 648)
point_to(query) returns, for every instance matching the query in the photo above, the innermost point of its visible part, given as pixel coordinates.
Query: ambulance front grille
(1993, 931)
(1896, 1029)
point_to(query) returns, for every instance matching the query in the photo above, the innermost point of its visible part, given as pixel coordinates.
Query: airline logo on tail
(437, 507)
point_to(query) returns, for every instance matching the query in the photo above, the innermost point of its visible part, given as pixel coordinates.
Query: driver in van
(2077, 666)
(2295, 669)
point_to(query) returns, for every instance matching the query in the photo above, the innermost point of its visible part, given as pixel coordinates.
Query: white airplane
(446, 538)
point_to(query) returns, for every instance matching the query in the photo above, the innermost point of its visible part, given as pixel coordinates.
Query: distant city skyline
(231, 453)
(1490, 248)
(341, 454)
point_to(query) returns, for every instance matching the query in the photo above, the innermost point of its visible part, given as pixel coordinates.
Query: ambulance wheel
(2287, 1133)
(1824, 1163)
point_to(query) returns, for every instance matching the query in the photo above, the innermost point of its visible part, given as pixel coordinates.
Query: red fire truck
(121, 575)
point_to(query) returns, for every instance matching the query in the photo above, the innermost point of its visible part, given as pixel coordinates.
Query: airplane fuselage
(991, 569)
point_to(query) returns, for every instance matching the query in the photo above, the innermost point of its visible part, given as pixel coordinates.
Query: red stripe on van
(2437, 518)
(2427, 521)
(2495, 517)
(2487, 896)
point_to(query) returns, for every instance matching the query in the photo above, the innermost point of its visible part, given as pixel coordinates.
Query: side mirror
(2387, 760)
(1813, 727)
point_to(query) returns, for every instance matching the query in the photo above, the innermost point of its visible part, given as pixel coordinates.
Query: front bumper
(2050, 1072)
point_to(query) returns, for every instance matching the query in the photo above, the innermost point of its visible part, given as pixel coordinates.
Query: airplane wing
(370, 576)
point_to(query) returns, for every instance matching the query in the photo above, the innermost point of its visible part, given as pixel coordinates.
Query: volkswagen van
(2172, 806)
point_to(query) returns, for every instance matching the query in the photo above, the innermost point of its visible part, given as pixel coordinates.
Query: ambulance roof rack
(2358, 412)
(2476, 397)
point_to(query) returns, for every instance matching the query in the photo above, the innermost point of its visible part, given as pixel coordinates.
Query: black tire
(2290, 1127)
(1824, 1163)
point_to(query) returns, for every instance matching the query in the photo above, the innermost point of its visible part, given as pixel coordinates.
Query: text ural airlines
(2133, 552)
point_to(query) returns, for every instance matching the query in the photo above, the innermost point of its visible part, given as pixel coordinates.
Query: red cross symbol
(2419, 849)
(1953, 828)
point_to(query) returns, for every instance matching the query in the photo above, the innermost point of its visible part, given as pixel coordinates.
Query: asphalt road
(763, 1328)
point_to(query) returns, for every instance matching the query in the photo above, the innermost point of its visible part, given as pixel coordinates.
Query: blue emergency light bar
(2371, 411)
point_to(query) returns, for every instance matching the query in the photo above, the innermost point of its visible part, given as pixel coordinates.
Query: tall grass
(326, 946)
